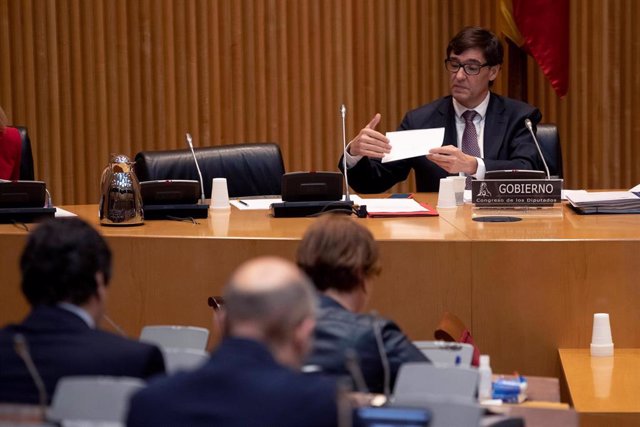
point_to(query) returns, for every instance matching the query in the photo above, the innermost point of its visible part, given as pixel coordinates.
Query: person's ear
(220, 322)
(493, 72)
(101, 287)
(302, 334)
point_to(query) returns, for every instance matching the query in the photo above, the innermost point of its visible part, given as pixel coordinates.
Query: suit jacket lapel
(495, 126)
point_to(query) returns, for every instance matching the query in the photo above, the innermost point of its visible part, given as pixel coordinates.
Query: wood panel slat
(92, 78)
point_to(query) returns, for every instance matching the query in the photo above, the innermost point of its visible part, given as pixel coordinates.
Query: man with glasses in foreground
(483, 131)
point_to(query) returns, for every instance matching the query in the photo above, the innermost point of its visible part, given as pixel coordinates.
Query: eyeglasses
(470, 69)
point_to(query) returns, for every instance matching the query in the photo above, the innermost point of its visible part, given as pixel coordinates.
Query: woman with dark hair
(341, 258)
(10, 150)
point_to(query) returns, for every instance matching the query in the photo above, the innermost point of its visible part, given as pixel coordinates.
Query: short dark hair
(60, 262)
(478, 38)
(338, 253)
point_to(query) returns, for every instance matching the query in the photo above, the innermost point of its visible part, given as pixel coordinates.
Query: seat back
(418, 378)
(443, 354)
(96, 398)
(183, 359)
(250, 169)
(547, 134)
(26, 156)
(445, 412)
(172, 336)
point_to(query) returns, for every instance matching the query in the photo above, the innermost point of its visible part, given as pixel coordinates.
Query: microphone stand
(529, 126)
(343, 113)
(22, 349)
(190, 144)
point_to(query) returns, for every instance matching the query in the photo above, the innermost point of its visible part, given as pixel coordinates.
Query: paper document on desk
(63, 213)
(605, 202)
(397, 207)
(412, 143)
(255, 204)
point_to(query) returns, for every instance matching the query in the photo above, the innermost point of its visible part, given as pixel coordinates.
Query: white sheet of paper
(255, 204)
(393, 205)
(62, 213)
(569, 193)
(412, 143)
(600, 196)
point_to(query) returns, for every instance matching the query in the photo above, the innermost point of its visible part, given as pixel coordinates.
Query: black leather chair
(26, 157)
(547, 134)
(250, 169)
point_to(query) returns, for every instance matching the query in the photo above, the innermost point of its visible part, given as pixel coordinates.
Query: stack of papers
(605, 202)
(397, 207)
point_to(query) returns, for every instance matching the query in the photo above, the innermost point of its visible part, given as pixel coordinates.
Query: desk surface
(452, 225)
(258, 224)
(603, 384)
(511, 283)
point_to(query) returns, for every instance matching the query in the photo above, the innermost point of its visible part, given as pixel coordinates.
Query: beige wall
(93, 77)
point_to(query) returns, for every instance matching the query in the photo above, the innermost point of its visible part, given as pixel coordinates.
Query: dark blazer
(338, 330)
(507, 145)
(61, 344)
(241, 385)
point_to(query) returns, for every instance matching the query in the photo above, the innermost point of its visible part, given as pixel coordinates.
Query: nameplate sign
(516, 192)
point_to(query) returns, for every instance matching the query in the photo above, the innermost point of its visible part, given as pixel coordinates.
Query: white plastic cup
(219, 194)
(601, 341)
(459, 183)
(446, 194)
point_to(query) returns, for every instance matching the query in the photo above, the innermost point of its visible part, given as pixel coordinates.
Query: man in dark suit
(483, 131)
(66, 266)
(252, 378)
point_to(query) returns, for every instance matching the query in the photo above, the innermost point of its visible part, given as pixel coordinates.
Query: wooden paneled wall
(95, 77)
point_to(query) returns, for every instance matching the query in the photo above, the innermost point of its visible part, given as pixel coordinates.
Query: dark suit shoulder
(428, 115)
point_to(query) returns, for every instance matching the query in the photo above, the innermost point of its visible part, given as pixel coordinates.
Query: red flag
(544, 26)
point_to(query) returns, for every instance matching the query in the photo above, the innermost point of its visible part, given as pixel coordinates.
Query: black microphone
(529, 126)
(190, 144)
(22, 349)
(343, 113)
(352, 365)
(383, 354)
(115, 326)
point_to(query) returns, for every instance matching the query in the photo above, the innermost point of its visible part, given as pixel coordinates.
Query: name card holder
(517, 197)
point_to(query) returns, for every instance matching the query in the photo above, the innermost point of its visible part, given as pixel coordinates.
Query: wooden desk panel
(165, 270)
(536, 296)
(524, 288)
(604, 390)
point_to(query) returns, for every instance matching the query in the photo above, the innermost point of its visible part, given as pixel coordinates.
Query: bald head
(268, 298)
(265, 274)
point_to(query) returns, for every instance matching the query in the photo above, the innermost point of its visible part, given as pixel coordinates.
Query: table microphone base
(302, 209)
(25, 215)
(152, 212)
